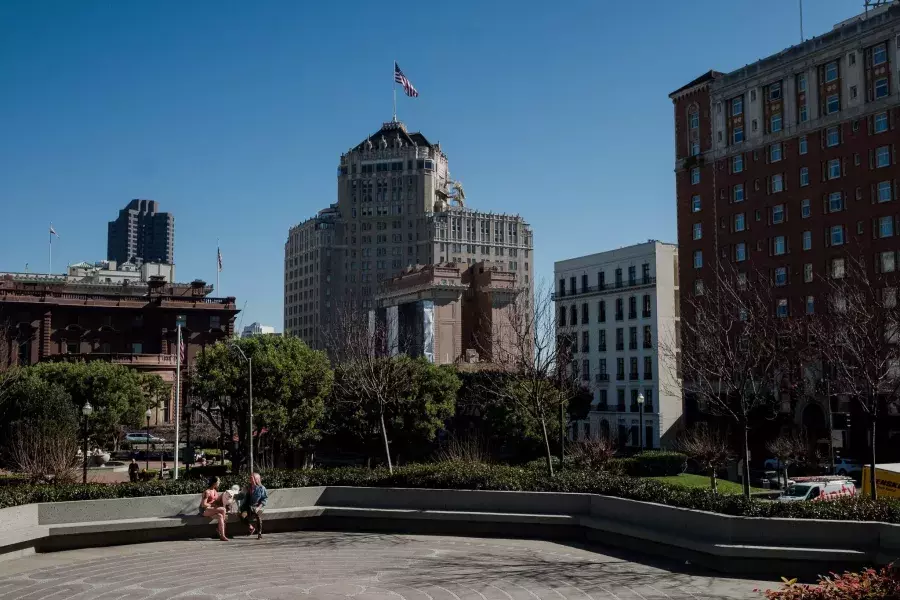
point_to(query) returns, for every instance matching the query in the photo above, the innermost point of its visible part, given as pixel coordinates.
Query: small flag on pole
(182, 355)
(53, 231)
(219, 258)
(400, 78)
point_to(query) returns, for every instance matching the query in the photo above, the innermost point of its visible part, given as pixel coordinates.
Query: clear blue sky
(233, 114)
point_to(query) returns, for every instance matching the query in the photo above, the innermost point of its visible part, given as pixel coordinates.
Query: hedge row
(475, 476)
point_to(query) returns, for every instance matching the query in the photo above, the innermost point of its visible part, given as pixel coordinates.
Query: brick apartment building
(48, 317)
(790, 162)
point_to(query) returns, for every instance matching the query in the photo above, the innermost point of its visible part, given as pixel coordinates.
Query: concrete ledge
(722, 542)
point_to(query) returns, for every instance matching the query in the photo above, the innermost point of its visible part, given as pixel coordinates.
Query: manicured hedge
(650, 463)
(476, 476)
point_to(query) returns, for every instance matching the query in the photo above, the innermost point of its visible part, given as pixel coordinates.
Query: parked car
(819, 489)
(143, 438)
(772, 464)
(845, 466)
(769, 479)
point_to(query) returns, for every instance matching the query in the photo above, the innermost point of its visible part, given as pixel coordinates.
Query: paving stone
(341, 566)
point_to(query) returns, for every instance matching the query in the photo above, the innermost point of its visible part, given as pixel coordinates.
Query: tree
(537, 362)
(857, 336)
(290, 384)
(708, 447)
(116, 392)
(733, 350)
(595, 453)
(789, 449)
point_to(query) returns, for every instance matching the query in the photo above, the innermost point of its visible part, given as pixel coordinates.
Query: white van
(819, 489)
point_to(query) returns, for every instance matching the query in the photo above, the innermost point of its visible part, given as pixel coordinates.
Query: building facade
(141, 234)
(788, 164)
(257, 329)
(47, 318)
(397, 208)
(615, 307)
(448, 313)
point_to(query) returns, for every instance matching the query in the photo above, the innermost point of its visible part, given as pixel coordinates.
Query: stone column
(45, 330)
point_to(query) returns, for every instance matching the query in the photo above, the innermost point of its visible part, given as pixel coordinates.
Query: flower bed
(477, 476)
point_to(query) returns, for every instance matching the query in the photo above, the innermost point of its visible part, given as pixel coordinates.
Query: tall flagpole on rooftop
(218, 266)
(394, 87)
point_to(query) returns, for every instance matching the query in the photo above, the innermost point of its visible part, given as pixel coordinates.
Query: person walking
(133, 470)
(211, 506)
(254, 505)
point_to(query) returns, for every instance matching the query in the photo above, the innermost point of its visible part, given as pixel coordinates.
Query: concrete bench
(722, 542)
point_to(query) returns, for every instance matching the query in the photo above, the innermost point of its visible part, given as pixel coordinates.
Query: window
(698, 231)
(831, 71)
(832, 136)
(881, 88)
(620, 339)
(779, 246)
(834, 168)
(782, 307)
(620, 309)
(775, 123)
(137, 348)
(632, 338)
(803, 117)
(646, 308)
(737, 135)
(884, 191)
(648, 336)
(602, 311)
(807, 240)
(881, 122)
(739, 222)
(801, 82)
(562, 316)
(694, 118)
(853, 92)
(737, 106)
(837, 235)
(648, 369)
(698, 287)
(737, 163)
(803, 145)
(835, 202)
(695, 204)
(833, 104)
(837, 268)
(879, 55)
(778, 214)
(737, 193)
(775, 91)
(807, 273)
(804, 209)
(886, 227)
(584, 314)
(883, 156)
(810, 305)
(695, 175)
(780, 276)
(632, 307)
(215, 322)
(775, 152)
(888, 264)
(777, 183)
(698, 259)
(695, 148)
(742, 281)
(740, 252)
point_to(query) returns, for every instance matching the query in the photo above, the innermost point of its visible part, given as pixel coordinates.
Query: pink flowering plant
(870, 584)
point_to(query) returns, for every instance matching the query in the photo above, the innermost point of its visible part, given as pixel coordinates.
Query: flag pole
(394, 87)
(217, 266)
(50, 257)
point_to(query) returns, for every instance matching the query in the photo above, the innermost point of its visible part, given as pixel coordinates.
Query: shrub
(650, 463)
(866, 585)
(481, 476)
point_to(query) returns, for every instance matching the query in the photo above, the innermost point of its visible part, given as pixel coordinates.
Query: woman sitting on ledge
(254, 504)
(211, 506)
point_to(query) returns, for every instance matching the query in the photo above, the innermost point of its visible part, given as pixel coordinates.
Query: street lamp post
(641, 410)
(86, 411)
(148, 414)
(250, 370)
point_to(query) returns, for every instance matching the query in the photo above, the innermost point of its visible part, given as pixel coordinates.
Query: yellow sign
(887, 483)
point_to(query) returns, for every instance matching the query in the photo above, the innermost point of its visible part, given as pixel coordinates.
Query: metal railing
(606, 287)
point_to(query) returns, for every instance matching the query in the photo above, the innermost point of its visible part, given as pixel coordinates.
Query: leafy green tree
(391, 401)
(290, 384)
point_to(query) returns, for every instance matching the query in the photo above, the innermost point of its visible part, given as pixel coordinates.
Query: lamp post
(250, 369)
(148, 414)
(641, 411)
(86, 411)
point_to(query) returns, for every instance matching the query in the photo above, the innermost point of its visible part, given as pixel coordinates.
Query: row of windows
(601, 279)
(602, 375)
(620, 339)
(603, 400)
(601, 311)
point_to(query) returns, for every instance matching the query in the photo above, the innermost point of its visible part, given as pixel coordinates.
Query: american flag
(182, 355)
(53, 231)
(400, 78)
(219, 258)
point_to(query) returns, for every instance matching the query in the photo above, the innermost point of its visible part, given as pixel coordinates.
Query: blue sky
(233, 115)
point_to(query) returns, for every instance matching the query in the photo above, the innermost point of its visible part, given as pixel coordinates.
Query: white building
(614, 306)
(108, 271)
(257, 329)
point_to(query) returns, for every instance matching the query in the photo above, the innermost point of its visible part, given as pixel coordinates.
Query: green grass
(702, 481)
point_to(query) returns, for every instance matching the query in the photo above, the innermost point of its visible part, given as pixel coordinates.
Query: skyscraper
(397, 207)
(141, 234)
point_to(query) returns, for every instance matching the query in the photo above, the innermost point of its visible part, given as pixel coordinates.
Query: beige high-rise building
(397, 207)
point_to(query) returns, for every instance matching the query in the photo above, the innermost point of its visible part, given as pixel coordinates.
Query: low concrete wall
(723, 542)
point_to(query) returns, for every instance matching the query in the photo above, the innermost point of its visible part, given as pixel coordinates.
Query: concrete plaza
(333, 566)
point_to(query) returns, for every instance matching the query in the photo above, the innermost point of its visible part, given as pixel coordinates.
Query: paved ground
(333, 566)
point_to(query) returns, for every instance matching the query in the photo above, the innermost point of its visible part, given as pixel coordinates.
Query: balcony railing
(621, 407)
(620, 346)
(601, 377)
(648, 344)
(620, 316)
(601, 348)
(603, 406)
(585, 349)
(137, 360)
(632, 315)
(620, 376)
(606, 287)
(632, 345)
(633, 376)
(645, 314)
(648, 375)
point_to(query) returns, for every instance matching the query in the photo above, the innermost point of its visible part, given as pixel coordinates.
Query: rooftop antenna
(801, 21)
